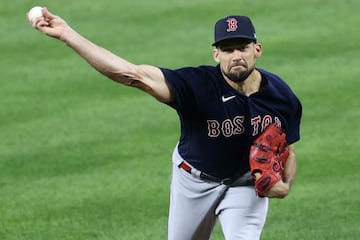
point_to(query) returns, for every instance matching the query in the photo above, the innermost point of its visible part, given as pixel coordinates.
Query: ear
(258, 50)
(215, 53)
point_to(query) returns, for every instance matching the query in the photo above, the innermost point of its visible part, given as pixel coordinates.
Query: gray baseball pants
(195, 205)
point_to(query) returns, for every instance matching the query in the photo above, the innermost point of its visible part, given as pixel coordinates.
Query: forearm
(145, 77)
(290, 167)
(99, 58)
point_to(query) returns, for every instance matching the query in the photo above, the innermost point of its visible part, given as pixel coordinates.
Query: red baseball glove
(268, 156)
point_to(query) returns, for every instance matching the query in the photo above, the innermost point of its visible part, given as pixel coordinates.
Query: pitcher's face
(237, 58)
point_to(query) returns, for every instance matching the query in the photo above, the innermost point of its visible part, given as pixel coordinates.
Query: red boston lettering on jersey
(232, 24)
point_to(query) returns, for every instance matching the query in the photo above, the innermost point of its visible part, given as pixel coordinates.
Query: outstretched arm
(145, 77)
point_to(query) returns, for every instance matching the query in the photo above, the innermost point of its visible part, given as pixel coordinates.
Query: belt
(234, 181)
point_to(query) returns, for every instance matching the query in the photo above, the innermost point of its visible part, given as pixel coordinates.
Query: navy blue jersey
(218, 123)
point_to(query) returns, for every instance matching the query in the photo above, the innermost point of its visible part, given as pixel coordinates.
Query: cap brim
(233, 37)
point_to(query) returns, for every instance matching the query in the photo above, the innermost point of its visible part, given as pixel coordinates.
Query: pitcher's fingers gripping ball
(268, 156)
(34, 13)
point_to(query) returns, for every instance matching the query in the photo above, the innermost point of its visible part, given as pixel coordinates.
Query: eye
(230, 49)
(243, 48)
(227, 49)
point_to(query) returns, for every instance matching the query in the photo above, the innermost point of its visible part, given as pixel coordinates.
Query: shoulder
(276, 90)
(272, 78)
(275, 85)
(275, 82)
(191, 77)
(190, 83)
(190, 72)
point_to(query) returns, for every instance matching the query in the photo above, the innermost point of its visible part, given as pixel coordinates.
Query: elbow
(121, 78)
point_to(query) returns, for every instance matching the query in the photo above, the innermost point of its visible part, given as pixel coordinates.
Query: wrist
(64, 34)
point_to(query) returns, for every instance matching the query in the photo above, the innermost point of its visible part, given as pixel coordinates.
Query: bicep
(151, 80)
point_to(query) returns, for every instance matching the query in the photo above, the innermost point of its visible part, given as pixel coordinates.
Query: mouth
(238, 67)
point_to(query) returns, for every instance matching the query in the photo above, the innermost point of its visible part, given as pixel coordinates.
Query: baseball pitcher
(238, 122)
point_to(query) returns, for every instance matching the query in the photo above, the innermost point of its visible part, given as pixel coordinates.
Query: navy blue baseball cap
(234, 27)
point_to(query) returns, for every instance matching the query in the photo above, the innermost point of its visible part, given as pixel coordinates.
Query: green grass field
(82, 157)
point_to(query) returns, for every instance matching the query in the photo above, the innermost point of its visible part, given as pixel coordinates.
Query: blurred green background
(82, 157)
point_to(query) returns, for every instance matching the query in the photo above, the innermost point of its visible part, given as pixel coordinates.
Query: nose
(237, 55)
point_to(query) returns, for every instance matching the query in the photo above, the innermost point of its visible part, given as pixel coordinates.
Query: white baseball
(35, 12)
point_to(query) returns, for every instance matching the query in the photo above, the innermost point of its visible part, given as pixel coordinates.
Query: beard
(239, 76)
